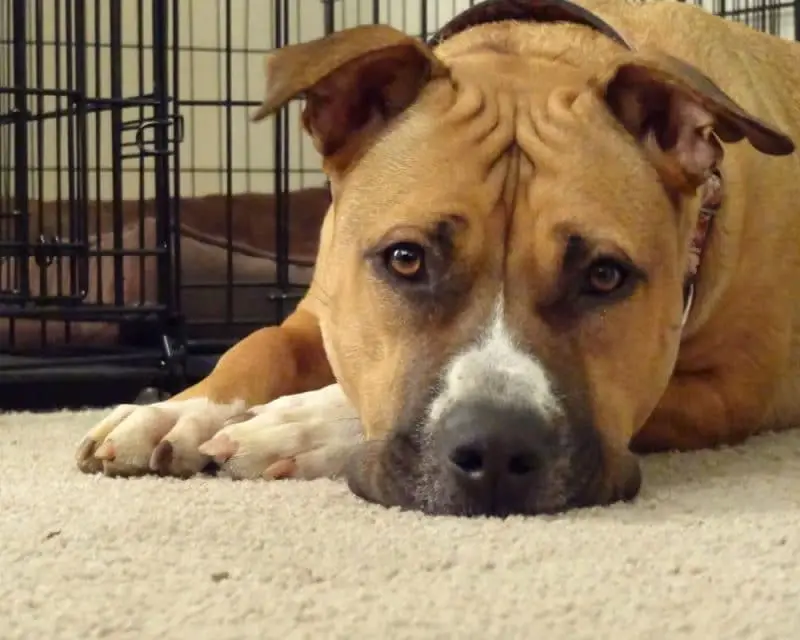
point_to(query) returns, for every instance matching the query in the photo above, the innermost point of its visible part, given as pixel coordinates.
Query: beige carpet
(711, 551)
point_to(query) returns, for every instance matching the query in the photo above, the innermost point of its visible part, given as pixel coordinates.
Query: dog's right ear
(354, 81)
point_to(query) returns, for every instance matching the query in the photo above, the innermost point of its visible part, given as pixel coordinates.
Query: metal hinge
(155, 136)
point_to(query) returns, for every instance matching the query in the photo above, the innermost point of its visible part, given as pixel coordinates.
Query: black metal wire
(19, 18)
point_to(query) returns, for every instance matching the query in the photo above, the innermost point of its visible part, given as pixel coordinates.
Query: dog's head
(502, 270)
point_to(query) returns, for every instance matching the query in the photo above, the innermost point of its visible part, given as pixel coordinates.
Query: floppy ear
(354, 81)
(680, 115)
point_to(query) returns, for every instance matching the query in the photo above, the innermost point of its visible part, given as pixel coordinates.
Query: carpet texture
(711, 550)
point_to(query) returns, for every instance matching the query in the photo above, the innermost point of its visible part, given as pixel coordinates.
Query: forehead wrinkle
(487, 109)
(428, 167)
(569, 186)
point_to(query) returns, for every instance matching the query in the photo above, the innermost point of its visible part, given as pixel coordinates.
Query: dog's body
(444, 315)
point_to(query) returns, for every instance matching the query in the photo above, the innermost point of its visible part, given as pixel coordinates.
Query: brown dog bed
(204, 250)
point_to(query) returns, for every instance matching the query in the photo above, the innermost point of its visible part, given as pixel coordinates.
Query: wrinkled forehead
(478, 151)
(433, 156)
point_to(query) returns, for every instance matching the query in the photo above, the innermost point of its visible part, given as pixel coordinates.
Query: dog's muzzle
(490, 459)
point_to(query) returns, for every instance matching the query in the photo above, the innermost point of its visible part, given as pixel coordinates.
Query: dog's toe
(106, 452)
(162, 457)
(162, 438)
(281, 469)
(304, 436)
(220, 448)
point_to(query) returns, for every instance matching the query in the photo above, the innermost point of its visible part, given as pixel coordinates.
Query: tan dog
(501, 289)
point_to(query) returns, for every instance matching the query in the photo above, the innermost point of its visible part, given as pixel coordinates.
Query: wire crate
(145, 223)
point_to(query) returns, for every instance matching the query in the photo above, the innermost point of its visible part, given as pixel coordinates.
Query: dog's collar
(710, 203)
(525, 10)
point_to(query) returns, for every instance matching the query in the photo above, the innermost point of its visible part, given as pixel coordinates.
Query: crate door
(43, 240)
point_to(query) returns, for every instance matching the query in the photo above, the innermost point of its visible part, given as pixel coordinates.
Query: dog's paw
(158, 438)
(309, 435)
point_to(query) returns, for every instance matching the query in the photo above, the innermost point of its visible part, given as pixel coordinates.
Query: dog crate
(145, 223)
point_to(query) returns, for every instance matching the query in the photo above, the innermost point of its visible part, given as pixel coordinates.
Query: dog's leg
(719, 404)
(307, 435)
(164, 437)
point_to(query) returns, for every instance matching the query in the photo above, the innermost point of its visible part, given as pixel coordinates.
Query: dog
(561, 236)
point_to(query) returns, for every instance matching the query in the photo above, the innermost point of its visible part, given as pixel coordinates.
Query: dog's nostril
(468, 459)
(521, 464)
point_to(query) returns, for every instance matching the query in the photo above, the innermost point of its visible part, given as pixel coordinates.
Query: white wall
(203, 26)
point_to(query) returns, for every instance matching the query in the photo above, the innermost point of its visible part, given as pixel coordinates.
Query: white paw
(162, 437)
(308, 435)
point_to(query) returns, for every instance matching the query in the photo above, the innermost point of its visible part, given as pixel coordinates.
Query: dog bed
(204, 262)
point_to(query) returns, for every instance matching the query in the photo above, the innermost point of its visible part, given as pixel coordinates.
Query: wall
(215, 139)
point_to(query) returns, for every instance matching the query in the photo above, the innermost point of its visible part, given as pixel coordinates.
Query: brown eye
(406, 260)
(604, 277)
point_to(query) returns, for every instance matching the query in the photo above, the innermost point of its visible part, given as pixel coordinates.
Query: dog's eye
(406, 260)
(604, 277)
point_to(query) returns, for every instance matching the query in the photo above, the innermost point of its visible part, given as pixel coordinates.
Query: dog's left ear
(673, 109)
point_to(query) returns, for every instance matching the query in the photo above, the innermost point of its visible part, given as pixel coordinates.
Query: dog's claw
(85, 457)
(85, 449)
(220, 448)
(161, 458)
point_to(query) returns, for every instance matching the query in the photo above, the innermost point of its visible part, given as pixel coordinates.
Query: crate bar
(21, 226)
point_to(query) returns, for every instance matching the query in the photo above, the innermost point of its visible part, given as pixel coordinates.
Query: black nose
(496, 455)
